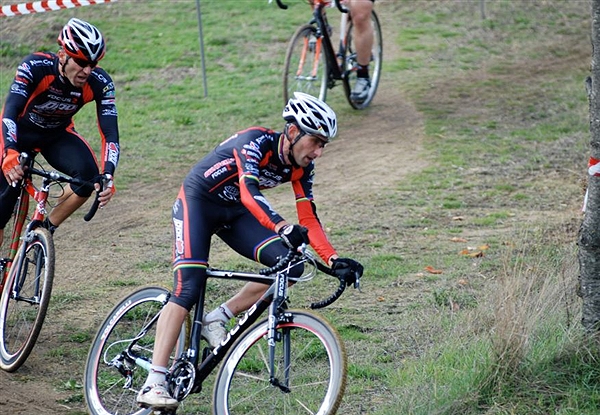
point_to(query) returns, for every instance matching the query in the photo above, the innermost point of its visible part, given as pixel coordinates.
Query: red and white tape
(593, 170)
(45, 6)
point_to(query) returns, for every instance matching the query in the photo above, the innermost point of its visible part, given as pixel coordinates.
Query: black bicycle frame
(275, 296)
(335, 71)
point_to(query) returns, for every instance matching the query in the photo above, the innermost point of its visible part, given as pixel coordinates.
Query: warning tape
(594, 167)
(45, 6)
(593, 170)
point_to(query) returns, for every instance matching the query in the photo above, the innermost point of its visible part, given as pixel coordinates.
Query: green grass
(505, 124)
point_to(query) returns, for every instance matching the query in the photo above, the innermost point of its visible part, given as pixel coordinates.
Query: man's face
(308, 148)
(75, 70)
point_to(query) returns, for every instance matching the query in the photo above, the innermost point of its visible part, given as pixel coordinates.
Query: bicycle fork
(277, 315)
(21, 261)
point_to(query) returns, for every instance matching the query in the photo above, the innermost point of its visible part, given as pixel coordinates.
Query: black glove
(293, 235)
(348, 269)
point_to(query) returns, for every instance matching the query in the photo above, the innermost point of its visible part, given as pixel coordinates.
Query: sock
(362, 71)
(49, 225)
(222, 313)
(157, 374)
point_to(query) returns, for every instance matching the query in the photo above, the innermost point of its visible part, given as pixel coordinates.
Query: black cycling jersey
(239, 168)
(38, 116)
(222, 195)
(41, 101)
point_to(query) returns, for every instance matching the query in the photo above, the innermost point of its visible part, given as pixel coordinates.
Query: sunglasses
(84, 64)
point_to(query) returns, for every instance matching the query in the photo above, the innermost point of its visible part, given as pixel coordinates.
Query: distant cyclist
(47, 91)
(222, 195)
(360, 12)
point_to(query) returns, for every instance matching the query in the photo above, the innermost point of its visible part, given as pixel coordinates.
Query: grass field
(460, 190)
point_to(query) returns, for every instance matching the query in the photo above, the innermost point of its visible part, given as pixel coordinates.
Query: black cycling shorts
(195, 220)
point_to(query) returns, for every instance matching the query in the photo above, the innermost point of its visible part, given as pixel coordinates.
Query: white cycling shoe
(360, 93)
(214, 332)
(156, 397)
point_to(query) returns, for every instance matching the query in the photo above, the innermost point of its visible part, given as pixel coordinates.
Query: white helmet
(82, 40)
(312, 115)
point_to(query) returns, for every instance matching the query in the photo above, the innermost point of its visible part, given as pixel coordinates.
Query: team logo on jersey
(111, 111)
(11, 128)
(41, 62)
(261, 199)
(230, 193)
(54, 107)
(24, 68)
(99, 76)
(18, 89)
(112, 153)
(179, 242)
(219, 166)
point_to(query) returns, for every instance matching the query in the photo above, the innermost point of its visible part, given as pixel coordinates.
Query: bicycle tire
(105, 387)
(374, 66)
(298, 73)
(317, 370)
(22, 316)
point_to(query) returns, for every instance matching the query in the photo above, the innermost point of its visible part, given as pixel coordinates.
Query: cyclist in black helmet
(222, 195)
(47, 91)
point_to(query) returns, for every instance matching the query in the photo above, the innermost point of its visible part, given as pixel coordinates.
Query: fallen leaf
(380, 298)
(471, 252)
(432, 270)
(456, 239)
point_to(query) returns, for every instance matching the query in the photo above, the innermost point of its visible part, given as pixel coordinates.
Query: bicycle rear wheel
(374, 66)
(112, 379)
(310, 360)
(305, 68)
(25, 298)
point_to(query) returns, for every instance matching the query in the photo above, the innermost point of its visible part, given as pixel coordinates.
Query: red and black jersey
(40, 98)
(239, 168)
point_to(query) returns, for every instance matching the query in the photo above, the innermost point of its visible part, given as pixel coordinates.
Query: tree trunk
(589, 233)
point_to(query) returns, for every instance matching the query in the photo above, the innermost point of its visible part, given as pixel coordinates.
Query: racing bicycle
(312, 65)
(292, 361)
(27, 263)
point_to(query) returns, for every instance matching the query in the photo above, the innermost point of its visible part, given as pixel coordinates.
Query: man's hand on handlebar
(11, 167)
(106, 189)
(348, 269)
(293, 236)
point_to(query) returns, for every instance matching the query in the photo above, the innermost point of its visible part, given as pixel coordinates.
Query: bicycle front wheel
(310, 363)
(351, 63)
(112, 375)
(25, 297)
(305, 68)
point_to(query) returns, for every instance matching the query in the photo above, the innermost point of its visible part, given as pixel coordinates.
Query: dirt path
(376, 149)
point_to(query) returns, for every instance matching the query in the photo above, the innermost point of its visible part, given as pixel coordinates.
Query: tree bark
(589, 233)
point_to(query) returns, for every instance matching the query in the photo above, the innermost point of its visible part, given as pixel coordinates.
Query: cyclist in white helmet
(47, 91)
(222, 195)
